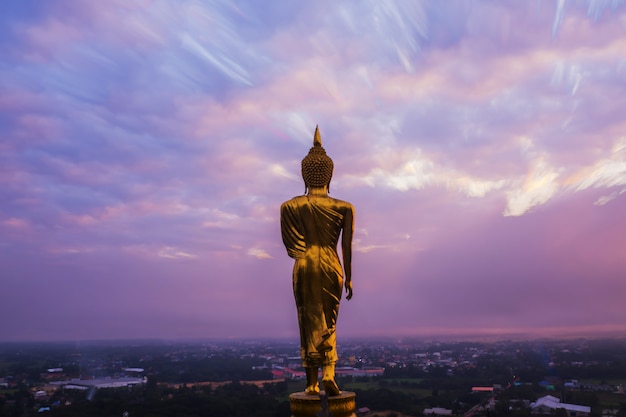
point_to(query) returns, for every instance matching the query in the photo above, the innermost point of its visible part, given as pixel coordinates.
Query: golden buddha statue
(310, 228)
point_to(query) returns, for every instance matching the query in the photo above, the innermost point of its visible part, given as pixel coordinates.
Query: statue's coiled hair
(317, 167)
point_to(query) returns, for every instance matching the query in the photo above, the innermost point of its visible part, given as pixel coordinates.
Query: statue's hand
(348, 290)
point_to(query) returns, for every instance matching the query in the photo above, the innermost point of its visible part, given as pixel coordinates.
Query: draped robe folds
(310, 229)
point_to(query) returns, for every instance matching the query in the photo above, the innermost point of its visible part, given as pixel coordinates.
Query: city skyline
(147, 146)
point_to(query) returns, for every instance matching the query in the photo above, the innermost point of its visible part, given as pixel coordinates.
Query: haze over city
(146, 147)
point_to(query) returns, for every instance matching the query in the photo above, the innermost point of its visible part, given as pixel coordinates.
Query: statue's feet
(331, 388)
(312, 389)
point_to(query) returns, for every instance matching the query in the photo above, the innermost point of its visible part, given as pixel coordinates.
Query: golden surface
(303, 405)
(311, 226)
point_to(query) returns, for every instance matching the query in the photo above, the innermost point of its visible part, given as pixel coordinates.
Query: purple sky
(146, 146)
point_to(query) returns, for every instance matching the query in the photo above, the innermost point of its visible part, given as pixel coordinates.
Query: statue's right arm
(346, 247)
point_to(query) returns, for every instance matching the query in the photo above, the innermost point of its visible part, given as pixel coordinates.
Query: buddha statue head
(317, 167)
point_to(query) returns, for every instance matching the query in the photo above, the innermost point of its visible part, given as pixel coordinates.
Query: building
(85, 384)
(548, 404)
(437, 411)
(482, 389)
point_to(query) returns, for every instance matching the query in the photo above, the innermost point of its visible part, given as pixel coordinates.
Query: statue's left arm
(346, 247)
(291, 231)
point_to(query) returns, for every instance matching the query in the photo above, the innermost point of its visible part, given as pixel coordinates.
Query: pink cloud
(48, 39)
(16, 223)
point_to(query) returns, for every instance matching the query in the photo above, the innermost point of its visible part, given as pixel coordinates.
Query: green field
(404, 385)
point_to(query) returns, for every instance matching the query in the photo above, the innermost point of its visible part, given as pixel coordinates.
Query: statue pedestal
(304, 405)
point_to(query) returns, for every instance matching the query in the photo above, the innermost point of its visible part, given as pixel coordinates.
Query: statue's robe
(310, 228)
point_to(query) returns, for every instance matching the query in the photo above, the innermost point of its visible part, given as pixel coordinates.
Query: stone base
(304, 405)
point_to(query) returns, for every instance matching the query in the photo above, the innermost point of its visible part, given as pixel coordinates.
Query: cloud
(222, 62)
(16, 223)
(539, 186)
(604, 173)
(542, 182)
(259, 253)
(174, 253)
(606, 199)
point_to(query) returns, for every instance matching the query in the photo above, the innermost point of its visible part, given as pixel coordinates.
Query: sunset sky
(146, 147)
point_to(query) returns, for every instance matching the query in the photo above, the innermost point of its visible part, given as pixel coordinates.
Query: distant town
(567, 378)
